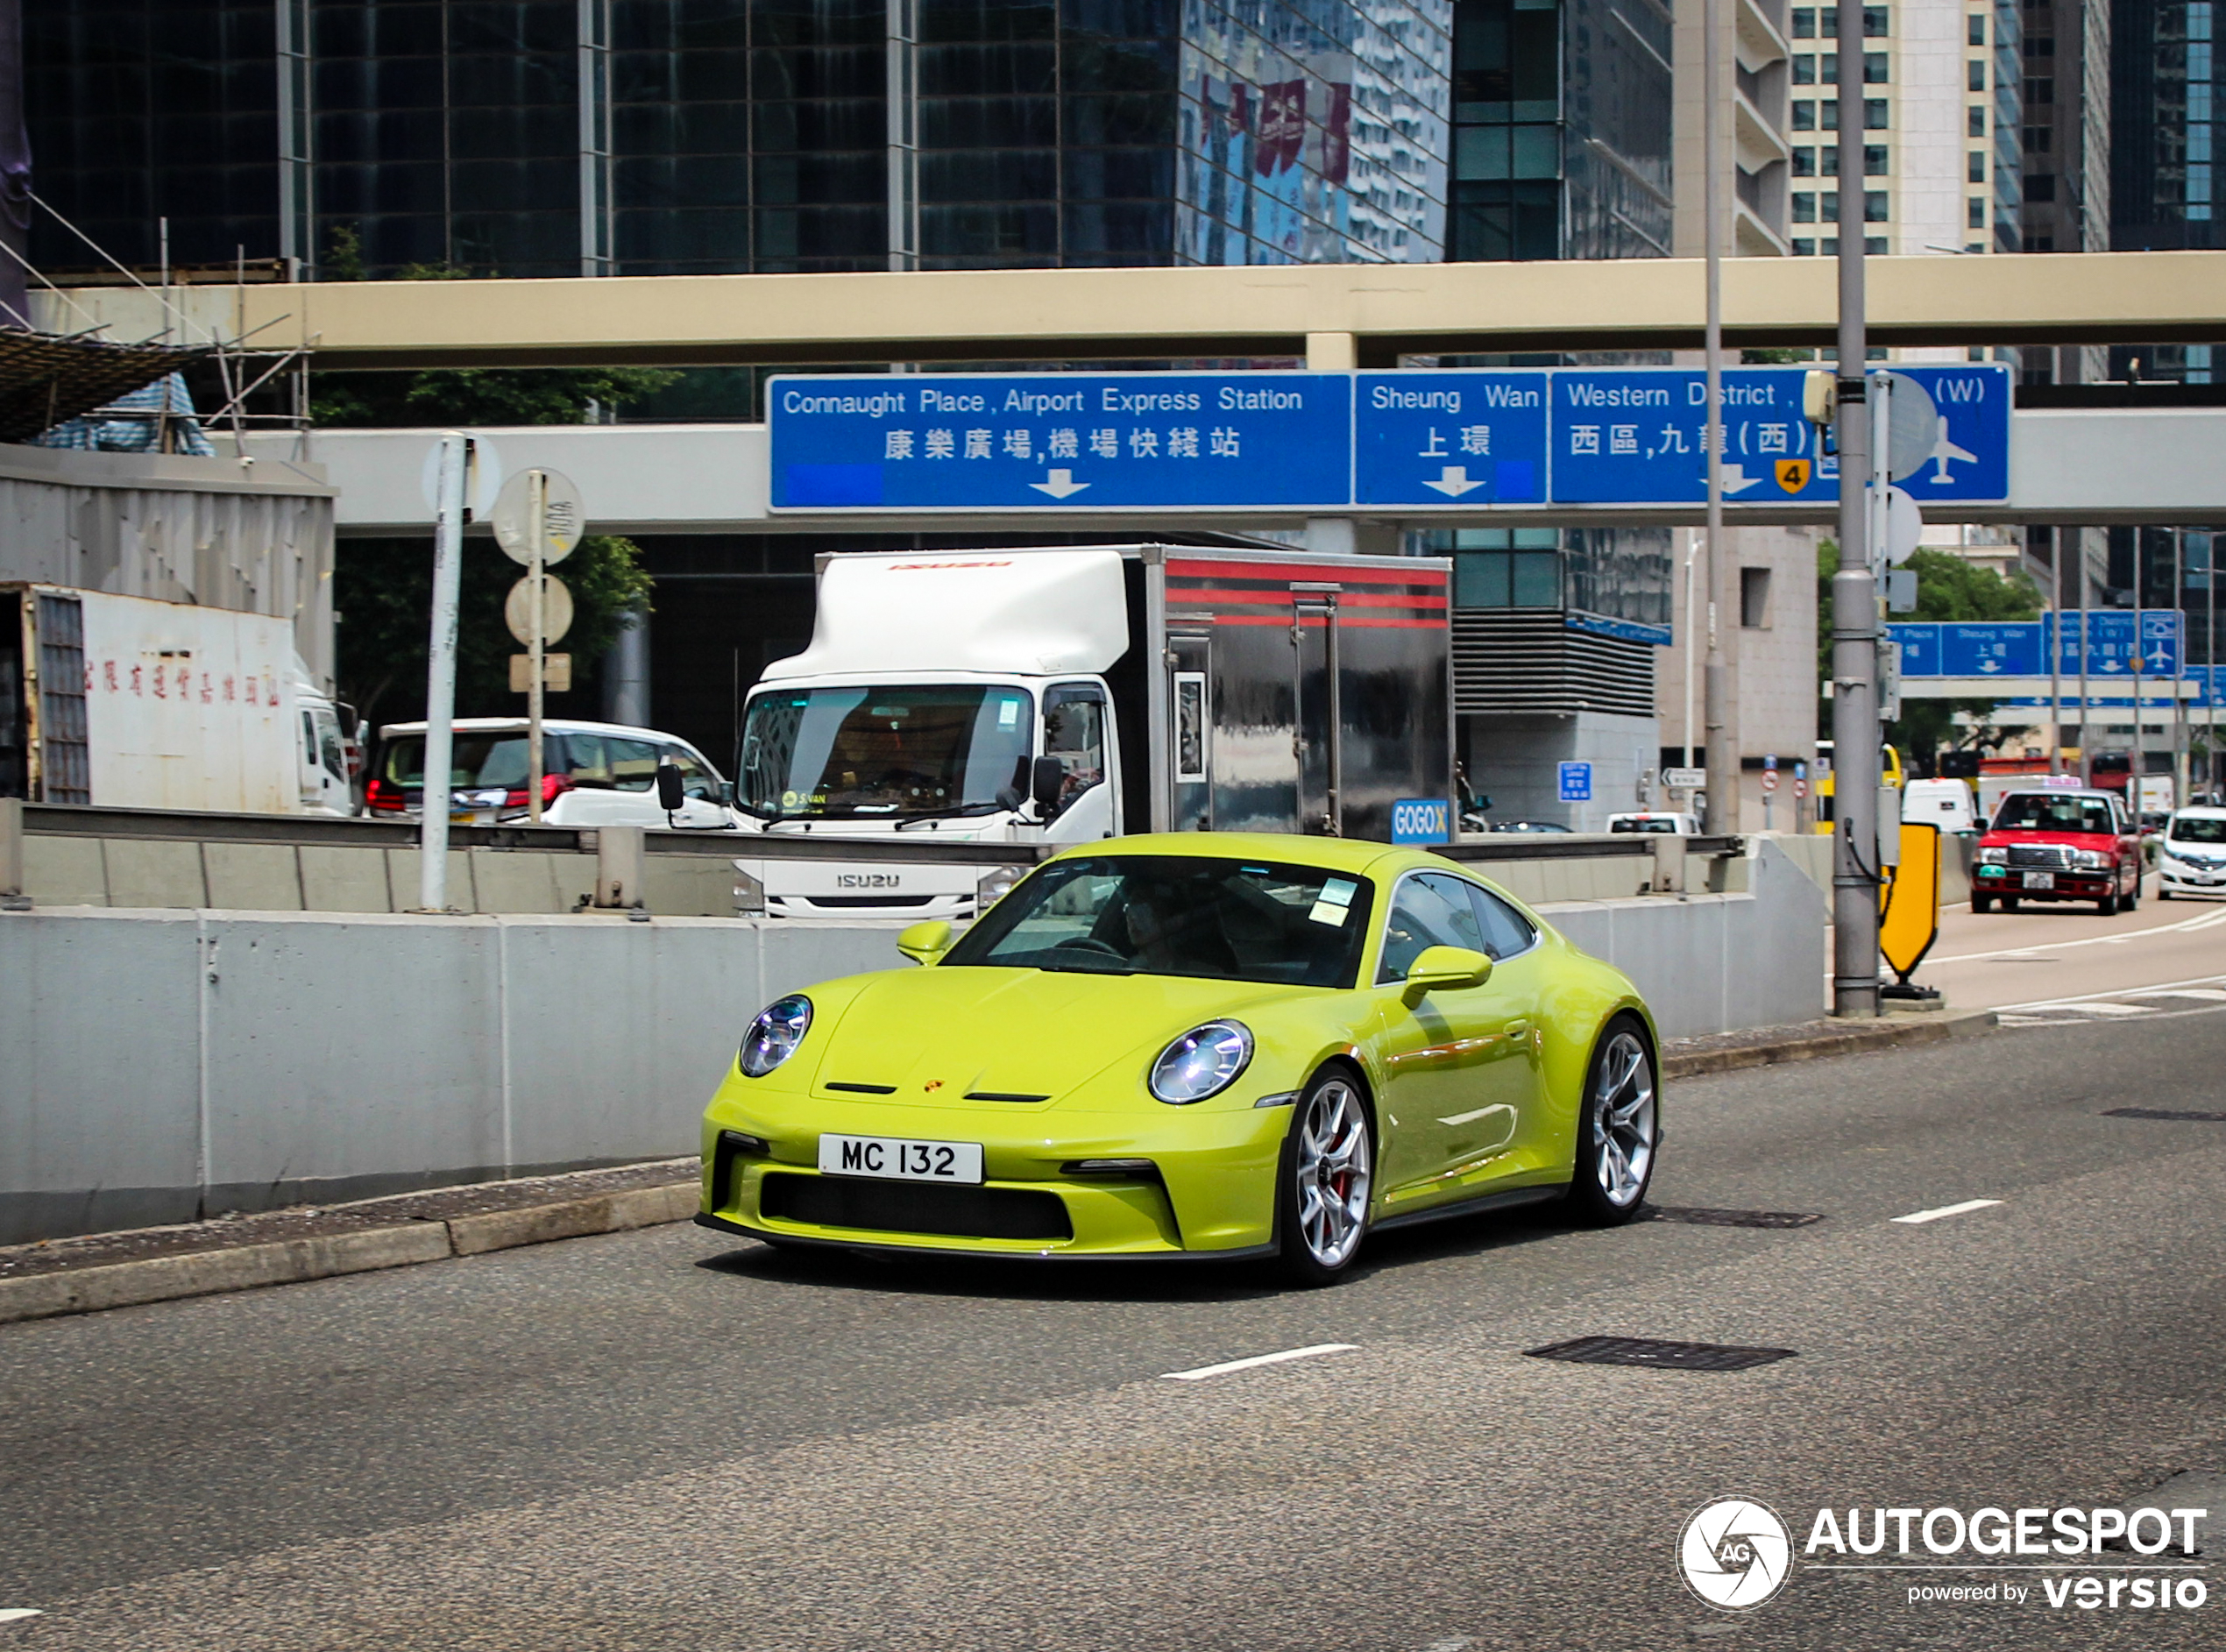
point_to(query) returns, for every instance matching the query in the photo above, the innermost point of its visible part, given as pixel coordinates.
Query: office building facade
(544, 137)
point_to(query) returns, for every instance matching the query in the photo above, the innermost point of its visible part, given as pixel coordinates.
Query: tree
(1948, 588)
(383, 589)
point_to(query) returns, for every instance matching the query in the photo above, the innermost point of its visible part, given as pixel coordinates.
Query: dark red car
(2059, 846)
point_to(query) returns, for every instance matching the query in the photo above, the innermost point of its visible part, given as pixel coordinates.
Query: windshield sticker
(1334, 904)
(1009, 715)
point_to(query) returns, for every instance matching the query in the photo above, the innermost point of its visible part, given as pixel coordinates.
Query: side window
(633, 763)
(1431, 910)
(695, 779)
(328, 749)
(1507, 931)
(308, 740)
(591, 764)
(1074, 733)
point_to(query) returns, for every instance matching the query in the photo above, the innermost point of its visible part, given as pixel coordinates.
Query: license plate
(894, 1159)
(2040, 879)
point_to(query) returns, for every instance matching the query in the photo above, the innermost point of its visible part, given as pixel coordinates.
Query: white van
(1663, 822)
(592, 774)
(1945, 804)
(2193, 856)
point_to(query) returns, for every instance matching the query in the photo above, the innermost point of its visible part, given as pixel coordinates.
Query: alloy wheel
(1623, 1115)
(1333, 1168)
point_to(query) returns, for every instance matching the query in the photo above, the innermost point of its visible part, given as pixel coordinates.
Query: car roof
(1335, 854)
(2062, 791)
(549, 725)
(2202, 811)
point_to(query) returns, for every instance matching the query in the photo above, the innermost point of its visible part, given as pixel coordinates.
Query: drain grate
(1729, 1218)
(1642, 1351)
(2158, 1112)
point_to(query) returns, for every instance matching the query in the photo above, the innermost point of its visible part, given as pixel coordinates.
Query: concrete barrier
(162, 1065)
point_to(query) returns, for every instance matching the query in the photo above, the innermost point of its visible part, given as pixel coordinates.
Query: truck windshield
(862, 752)
(2038, 812)
(1177, 915)
(2197, 829)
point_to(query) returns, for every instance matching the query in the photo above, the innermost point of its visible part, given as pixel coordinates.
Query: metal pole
(2056, 650)
(2086, 709)
(2178, 704)
(1716, 687)
(1854, 590)
(2139, 764)
(440, 676)
(536, 649)
(1692, 622)
(2210, 663)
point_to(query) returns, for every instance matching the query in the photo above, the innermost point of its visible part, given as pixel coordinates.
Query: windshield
(2038, 812)
(1642, 823)
(845, 752)
(1177, 915)
(2197, 829)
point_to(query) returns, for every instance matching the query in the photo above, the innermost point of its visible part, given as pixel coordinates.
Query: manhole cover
(2159, 1112)
(1730, 1218)
(1642, 1351)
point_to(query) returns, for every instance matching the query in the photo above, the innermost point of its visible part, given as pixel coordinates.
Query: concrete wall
(1515, 760)
(165, 1064)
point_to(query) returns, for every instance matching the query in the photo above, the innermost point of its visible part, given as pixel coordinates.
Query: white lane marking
(2115, 992)
(2209, 995)
(1226, 1366)
(2206, 921)
(2104, 1006)
(9, 1614)
(1916, 1216)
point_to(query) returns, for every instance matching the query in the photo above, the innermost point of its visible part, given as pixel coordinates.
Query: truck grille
(2040, 854)
(899, 1207)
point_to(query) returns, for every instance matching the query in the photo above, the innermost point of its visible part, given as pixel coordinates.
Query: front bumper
(1210, 1192)
(2009, 881)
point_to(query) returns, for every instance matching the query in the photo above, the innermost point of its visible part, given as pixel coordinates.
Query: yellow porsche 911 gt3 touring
(1200, 1046)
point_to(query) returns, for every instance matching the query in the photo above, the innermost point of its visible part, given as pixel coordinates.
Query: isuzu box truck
(1056, 695)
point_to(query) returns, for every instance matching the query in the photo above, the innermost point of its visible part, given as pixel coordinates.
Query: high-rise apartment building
(1754, 91)
(1939, 131)
(645, 137)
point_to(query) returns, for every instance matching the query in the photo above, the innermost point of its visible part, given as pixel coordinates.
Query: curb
(1853, 1040)
(163, 1279)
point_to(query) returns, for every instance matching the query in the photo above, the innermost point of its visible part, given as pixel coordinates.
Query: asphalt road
(664, 1439)
(1986, 961)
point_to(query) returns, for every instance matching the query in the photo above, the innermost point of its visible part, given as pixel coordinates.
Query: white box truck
(128, 702)
(1055, 696)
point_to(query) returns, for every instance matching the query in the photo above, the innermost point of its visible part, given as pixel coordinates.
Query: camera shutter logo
(1735, 1554)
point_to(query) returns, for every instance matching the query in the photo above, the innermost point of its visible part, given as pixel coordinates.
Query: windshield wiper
(950, 814)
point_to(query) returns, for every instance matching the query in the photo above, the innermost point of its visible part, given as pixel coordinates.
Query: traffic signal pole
(1855, 731)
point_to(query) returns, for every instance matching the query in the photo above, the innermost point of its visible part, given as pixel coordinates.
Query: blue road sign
(1446, 438)
(923, 442)
(1970, 459)
(2020, 647)
(1421, 820)
(1577, 782)
(1632, 436)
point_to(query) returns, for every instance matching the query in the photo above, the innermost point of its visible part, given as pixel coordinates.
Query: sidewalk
(284, 1247)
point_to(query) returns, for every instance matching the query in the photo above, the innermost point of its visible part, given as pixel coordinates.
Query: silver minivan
(593, 775)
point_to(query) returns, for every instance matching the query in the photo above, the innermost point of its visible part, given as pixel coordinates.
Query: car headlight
(1202, 1062)
(1994, 857)
(2094, 860)
(773, 1037)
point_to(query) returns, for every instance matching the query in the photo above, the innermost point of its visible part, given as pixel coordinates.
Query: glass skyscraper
(543, 137)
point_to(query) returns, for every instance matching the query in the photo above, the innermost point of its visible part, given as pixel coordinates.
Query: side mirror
(726, 792)
(1044, 784)
(925, 943)
(1446, 969)
(668, 794)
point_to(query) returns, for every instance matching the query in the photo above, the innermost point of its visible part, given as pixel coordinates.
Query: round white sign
(564, 517)
(556, 611)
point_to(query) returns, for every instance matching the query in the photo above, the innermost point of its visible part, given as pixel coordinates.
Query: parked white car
(593, 775)
(1660, 822)
(2191, 856)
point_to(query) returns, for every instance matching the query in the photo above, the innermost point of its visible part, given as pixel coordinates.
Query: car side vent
(863, 1089)
(1003, 1095)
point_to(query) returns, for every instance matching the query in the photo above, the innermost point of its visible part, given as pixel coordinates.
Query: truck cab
(2059, 845)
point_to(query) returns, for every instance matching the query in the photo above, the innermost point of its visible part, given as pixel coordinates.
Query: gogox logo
(1735, 1554)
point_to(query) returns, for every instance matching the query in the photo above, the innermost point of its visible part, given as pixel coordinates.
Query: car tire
(1325, 1178)
(2009, 903)
(2132, 902)
(1982, 903)
(1619, 1128)
(2108, 904)
(2163, 894)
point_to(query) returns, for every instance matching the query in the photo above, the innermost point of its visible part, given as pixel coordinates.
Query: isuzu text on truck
(1057, 696)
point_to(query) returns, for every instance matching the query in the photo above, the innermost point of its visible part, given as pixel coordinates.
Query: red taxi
(2059, 846)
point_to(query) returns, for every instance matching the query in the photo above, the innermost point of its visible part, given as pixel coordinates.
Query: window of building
(1804, 23)
(1828, 207)
(1977, 120)
(1874, 115)
(1976, 171)
(1509, 579)
(2039, 139)
(1875, 21)
(1804, 247)
(2039, 186)
(1829, 111)
(2040, 45)
(1805, 162)
(1829, 247)
(2040, 90)
(1805, 206)
(1804, 68)
(1874, 160)
(1874, 68)
(1977, 206)
(1873, 206)
(1873, 246)
(1828, 158)
(2040, 244)
(1976, 69)
(1755, 598)
(1804, 115)
(1977, 24)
